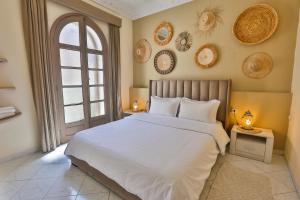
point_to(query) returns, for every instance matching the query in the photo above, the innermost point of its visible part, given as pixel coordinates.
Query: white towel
(3, 116)
(5, 110)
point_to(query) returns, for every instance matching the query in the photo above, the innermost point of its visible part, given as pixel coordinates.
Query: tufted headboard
(201, 90)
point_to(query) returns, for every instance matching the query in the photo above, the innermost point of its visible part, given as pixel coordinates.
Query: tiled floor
(52, 177)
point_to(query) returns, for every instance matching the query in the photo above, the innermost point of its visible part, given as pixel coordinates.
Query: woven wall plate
(184, 41)
(206, 56)
(142, 51)
(163, 33)
(165, 61)
(208, 20)
(258, 65)
(256, 24)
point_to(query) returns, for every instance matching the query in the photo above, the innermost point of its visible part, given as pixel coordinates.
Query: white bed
(151, 156)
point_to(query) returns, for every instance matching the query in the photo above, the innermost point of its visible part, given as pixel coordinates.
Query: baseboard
(19, 155)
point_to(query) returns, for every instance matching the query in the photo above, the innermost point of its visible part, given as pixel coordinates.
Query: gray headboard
(201, 90)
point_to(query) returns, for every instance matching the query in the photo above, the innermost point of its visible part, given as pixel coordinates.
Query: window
(79, 53)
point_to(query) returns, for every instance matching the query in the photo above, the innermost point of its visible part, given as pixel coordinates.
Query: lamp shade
(247, 120)
(135, 106)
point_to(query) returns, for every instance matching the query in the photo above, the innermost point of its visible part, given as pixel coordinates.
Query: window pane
(71, 76)
(70, 34)
(69, 58)
(97, 109)
(93, 41)
(95, 61)
(72, 95)
(95, 77)
(73, 113)
(96, 93)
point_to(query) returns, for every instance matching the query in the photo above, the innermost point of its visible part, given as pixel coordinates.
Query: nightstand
(127, 113)
(258, 146)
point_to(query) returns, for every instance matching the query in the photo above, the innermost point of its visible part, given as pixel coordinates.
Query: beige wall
(293, 139)
(231, 55)
(17, 135)
(261, 104)
(270, 110)
(20, 135)
(184, 18)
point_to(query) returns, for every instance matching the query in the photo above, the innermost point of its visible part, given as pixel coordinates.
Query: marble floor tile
(278, 164)
(281, 182)
(247, 165)
(61, 198)
(113, 196)
(66, 186)
(90, 186)
(97, 196)
(7, 173)
(51, 176)
(58, 170)
(34, 189)
(9, 188)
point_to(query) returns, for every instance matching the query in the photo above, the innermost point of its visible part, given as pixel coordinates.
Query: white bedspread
(154, 157)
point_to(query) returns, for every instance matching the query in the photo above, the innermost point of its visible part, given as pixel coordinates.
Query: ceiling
(135, 9)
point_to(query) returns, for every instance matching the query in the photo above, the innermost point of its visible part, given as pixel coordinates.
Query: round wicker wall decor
(165, 61)
(256, 24)
(206, 56)
(142, 51)
(184, 41)
(258, 65)
(163, 33)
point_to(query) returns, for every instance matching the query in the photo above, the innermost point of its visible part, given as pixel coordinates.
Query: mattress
(154, 157)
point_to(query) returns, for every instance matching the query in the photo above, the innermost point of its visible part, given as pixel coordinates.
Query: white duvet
(152, 156)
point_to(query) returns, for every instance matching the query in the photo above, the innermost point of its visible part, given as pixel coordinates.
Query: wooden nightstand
(258, 146)
(127, 113)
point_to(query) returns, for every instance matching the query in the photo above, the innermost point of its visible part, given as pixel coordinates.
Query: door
(79, 53)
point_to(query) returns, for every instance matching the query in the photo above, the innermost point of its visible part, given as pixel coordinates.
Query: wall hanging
(142, 51)
(163, 33)
(165, 61)
(184, 41)
(208, 20)
(257, 65)
(256, 24)
(206, 56)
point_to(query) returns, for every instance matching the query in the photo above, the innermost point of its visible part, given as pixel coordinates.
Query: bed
(153, 157)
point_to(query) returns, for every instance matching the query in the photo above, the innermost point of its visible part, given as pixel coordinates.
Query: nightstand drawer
(251, 145)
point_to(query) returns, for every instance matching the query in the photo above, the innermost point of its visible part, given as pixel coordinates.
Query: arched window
(79, 54)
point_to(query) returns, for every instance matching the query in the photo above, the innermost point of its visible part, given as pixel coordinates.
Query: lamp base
(252, 130)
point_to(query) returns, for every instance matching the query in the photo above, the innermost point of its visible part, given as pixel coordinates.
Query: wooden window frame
(68, 129)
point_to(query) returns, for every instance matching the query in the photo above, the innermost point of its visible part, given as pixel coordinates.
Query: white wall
(293, 138)
(20, 135)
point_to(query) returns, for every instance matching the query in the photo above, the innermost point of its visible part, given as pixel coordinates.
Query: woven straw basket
(256, 24)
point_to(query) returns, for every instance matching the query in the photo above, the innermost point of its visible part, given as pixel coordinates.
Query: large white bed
(152, 157)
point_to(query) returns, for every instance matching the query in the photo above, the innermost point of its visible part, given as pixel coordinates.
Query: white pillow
(164, 106)
(204, 111)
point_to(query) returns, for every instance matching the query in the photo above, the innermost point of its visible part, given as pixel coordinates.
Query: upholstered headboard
(201, 90)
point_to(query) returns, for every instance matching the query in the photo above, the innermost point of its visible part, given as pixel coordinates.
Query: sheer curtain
(115, 72)
(36, 37)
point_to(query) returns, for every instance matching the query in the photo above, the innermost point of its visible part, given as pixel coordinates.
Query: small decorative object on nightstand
(247, 123)
(247, 120)
(135, 106)
(127, 113)
(258, 146)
